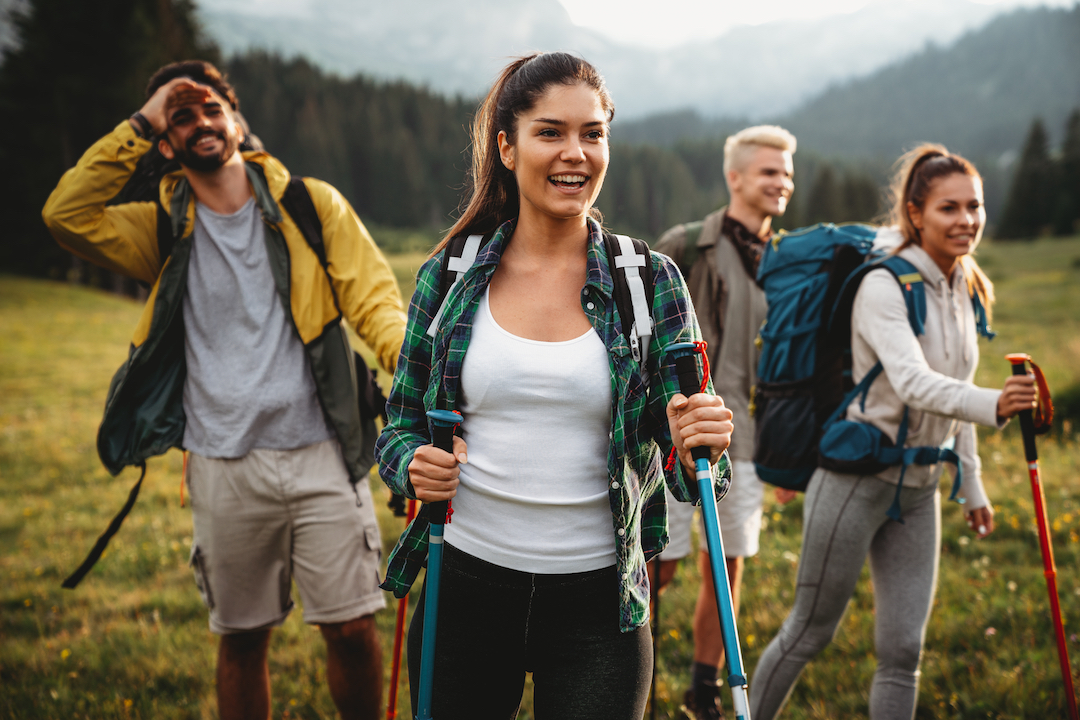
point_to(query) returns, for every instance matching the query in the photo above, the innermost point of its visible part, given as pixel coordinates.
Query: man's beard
(207, 163)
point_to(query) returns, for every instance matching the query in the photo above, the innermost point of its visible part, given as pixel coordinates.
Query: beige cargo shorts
(275, 515)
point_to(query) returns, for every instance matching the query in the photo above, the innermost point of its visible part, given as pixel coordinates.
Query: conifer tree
(1067, 208)
(824, 202)
(1029, 205)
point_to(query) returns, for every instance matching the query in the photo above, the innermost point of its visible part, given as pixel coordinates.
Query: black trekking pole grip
(442, 436)
(1027, 424)
(686, 370)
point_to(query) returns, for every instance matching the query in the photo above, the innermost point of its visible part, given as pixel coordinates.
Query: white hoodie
(931, 374)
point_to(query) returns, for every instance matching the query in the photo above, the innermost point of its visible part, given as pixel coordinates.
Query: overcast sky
(663, 23)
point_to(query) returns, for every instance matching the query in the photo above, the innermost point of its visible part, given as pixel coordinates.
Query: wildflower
(1012, 586)
(990, 632)
(964, 540)
(65, 653)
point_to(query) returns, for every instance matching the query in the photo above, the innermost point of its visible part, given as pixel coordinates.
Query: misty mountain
(457, 48)
(977, 96)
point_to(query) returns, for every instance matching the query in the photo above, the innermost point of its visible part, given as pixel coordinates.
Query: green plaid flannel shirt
(428, 377)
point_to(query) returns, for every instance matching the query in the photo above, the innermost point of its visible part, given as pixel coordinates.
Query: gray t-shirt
(249, 383)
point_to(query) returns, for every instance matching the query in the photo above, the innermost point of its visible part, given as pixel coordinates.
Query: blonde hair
(738, 146)
(916, 173)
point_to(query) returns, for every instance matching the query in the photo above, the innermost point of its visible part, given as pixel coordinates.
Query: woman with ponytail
(939, 215)
(554, 476)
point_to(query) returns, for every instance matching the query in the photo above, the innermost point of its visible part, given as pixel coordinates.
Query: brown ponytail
(492, 188)
(916, 173)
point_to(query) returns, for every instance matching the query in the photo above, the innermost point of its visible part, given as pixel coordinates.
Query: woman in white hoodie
(938, 210)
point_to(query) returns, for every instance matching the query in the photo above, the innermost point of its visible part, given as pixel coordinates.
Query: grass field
(132, 641)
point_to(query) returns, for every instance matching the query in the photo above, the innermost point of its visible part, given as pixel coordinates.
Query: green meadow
(132, 640)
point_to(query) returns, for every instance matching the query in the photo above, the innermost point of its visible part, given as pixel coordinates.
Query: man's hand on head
(178, 91)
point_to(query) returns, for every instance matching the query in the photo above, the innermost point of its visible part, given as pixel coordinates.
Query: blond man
(719, 257)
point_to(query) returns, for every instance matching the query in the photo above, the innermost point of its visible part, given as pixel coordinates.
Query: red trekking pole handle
(1028, 429)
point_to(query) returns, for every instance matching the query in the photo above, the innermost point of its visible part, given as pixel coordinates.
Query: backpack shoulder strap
(630, 264)
(911, 286)
(457, 257)
(690, 248)
(982, 324)
(298, 203)
(165, 239)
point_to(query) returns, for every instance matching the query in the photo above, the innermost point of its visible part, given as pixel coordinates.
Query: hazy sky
(668, 22)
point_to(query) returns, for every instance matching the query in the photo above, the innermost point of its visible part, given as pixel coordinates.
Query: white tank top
(537, 415)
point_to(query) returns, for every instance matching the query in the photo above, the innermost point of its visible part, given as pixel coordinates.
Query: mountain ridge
(458, 49)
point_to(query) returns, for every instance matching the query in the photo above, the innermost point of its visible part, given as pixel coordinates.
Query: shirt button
(591, 305)
(131, 143)
(615, 485)
(622, 531)
(626, 576)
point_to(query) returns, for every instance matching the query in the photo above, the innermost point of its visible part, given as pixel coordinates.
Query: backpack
(297, 202)
(810, 278)
(629, 262)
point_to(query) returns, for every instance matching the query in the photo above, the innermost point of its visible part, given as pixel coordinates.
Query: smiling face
(202, 133)
(559, 153)
(951, 221)
(764, 182)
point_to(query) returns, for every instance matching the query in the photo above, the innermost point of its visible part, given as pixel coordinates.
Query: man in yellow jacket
(241, 358)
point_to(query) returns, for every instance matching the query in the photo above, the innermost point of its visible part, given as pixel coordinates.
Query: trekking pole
(689, 384)
(655, 591)
(399, 634)
(1029, 430)
(444, 422)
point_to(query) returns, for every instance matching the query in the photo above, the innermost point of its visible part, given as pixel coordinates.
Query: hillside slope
(978, 96)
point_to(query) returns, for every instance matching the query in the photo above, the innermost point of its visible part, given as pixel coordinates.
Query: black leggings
(496, 624)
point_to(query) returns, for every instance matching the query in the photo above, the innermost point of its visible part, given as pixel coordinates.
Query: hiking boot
(708, 710)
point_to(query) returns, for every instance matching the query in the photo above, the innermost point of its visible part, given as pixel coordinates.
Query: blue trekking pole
(444, 422)
(686, 370)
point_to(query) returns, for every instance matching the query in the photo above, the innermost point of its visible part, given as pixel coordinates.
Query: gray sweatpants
(844, 521)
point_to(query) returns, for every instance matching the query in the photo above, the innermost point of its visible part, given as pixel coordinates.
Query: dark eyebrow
(551, 121)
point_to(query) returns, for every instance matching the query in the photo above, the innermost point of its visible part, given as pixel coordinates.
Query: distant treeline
(399, 154)
(1045, 194)
(78, 68)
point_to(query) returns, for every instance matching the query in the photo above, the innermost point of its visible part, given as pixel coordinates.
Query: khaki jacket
(730, 309)
(144, 412)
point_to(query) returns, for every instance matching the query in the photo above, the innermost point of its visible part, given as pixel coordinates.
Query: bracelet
(146, 131)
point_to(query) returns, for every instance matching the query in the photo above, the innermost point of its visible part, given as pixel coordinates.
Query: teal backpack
(810, 278)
